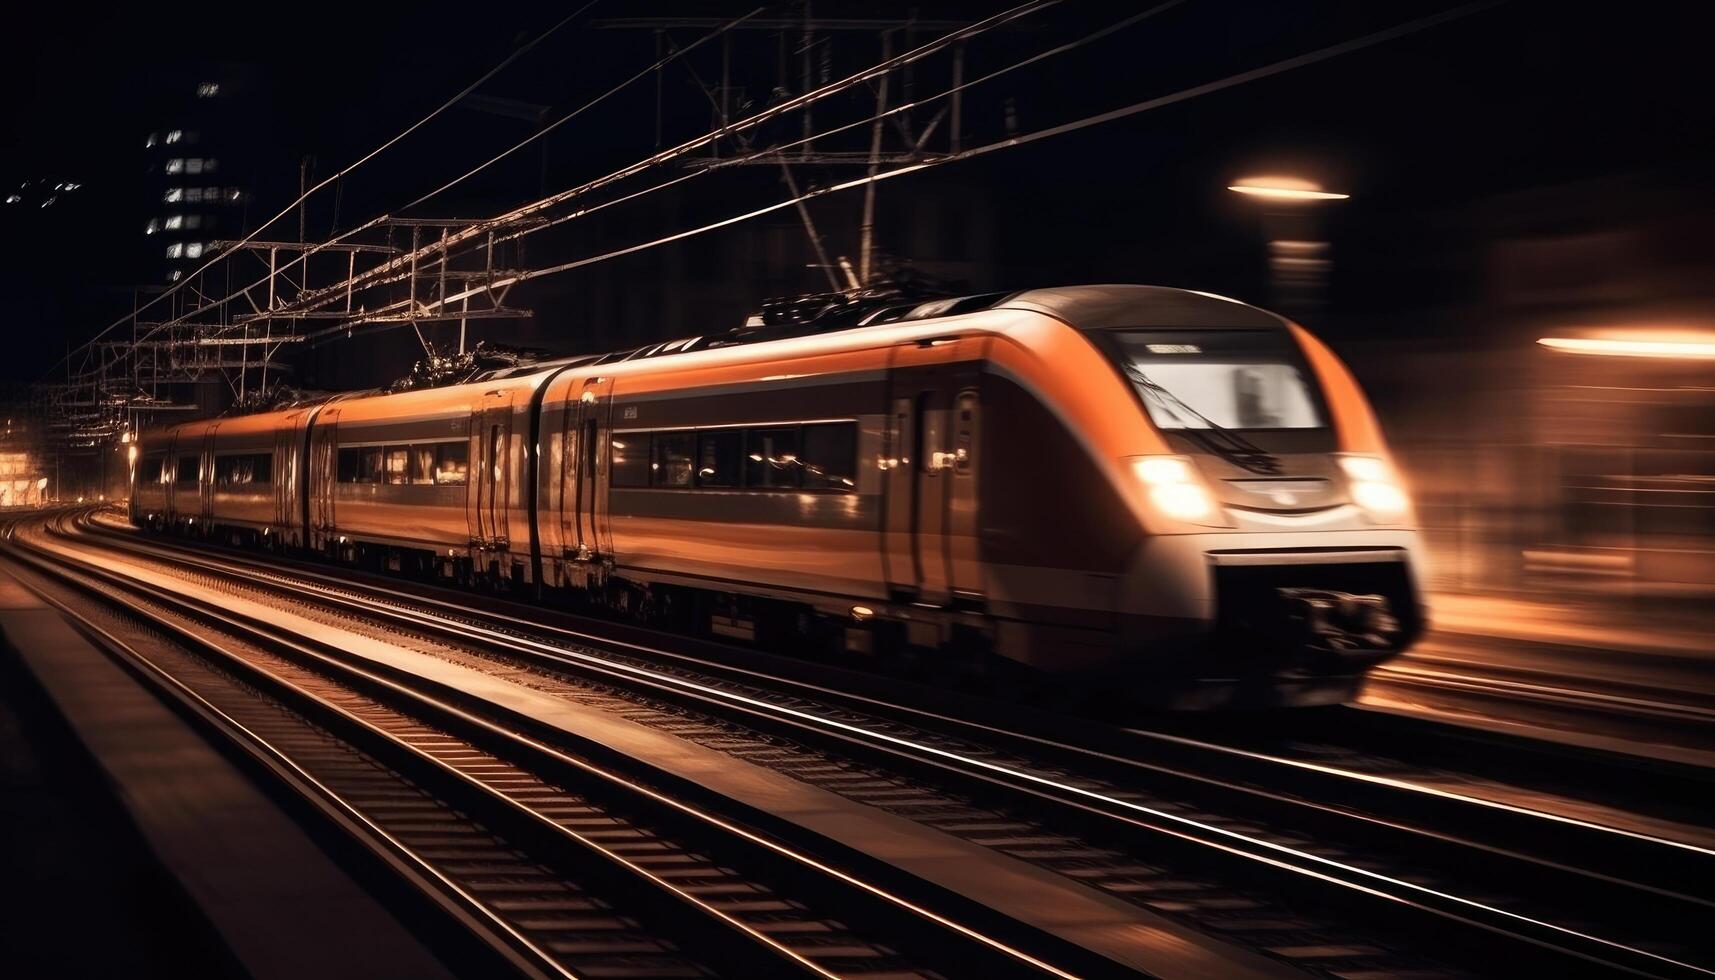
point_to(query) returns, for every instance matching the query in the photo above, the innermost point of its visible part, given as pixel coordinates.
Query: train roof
(1099, 307)
(1110, 306)
(1088, 308)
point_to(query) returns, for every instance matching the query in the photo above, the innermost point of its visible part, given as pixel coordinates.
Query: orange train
(1134, 482)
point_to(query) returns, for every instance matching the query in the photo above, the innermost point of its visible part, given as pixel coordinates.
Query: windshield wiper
(1211, 435)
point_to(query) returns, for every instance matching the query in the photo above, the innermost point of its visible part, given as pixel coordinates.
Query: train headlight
(1174, 488)
(1376, 488)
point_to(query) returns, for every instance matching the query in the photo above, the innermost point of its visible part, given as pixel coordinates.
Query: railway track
(610, 878)
(1409, 859)
(1458, 682)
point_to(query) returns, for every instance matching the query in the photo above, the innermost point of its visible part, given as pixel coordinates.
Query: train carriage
(168, 484)
(432, 479)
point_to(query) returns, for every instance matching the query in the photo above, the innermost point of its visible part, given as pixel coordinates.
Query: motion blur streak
(1696, 350)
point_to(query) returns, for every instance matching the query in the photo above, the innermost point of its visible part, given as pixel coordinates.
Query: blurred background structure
(1442, 191)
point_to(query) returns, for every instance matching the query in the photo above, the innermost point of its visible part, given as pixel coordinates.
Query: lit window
(193, 250)
(73, 187)
(193, 221)
(176, 165)
(208, 90)
(13, 198)
(235, 195)
(175, 251)
(174, 135)
(174, 195)
(152, 227)
(175, 221)
(193, 165)
(49, 202)
(150, 141)
(174, 275)
(193, 193)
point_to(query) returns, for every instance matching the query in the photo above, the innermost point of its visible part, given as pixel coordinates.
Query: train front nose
(1269, 618)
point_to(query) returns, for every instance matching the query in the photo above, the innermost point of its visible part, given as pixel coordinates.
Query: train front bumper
(1271, 607)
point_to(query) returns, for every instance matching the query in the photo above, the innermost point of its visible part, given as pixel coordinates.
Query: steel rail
(1573, 942)
(971, 946)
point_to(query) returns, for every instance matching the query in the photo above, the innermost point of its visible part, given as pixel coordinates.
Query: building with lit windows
(195, 174)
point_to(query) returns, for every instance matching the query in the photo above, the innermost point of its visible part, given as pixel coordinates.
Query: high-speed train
(1165, 489)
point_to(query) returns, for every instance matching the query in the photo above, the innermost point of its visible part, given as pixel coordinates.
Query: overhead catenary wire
(332, 178)
(381, 219)
(376, 279)
(665, 156)
(377, 275)
(1136, 108)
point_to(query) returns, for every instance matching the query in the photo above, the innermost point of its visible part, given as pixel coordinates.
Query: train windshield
(1219, 379)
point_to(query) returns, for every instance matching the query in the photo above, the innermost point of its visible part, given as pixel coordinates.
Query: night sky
(1434, 135)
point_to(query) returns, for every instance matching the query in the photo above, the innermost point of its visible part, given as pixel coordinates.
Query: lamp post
(1298, 257)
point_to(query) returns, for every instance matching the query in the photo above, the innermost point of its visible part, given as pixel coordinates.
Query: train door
(205, 485)
(324, 476)
(283, 473)
(491, 430)
(169, 479)
(930, 536)
(964, 557)
(588, 535)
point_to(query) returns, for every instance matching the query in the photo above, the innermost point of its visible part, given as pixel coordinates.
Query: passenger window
(187, 469)
(149, 471)
(452, 464)
(398, 465)
(672, 463)
(828, 456)
(233, 471)
(771, 458)
(348, 465)
(422, 465)
(369, 465)
(630, 461)
(930, 457)
(262, 468)
(718, 455)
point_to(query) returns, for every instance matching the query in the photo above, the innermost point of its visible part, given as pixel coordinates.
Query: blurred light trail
(1285, 189)
(1688, 349)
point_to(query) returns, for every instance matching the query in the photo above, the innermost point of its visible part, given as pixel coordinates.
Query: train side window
(231, 471)
(452, 464)
(262, 468)
(771, 459)
(672, 463)
(930, 456)
(348, 465)
(149, 470)
(828, 455)
(719, 453)
(630, 463)
(422, 465)
(398, 465)
(369, 465)
(188, 470)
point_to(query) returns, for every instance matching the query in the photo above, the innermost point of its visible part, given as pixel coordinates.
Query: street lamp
(1298, 260)
(1285, 189)
(1695, 347)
